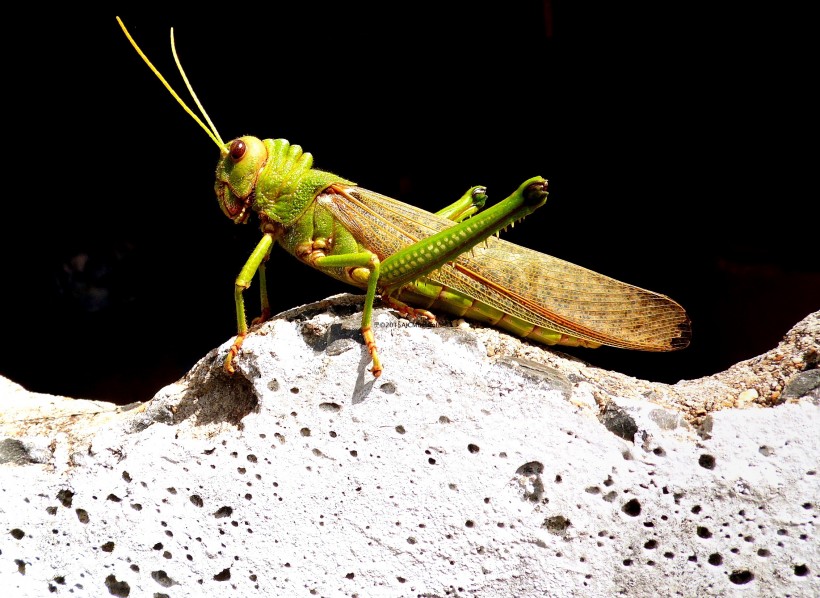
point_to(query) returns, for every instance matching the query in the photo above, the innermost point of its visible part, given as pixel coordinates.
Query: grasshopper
(415, 260)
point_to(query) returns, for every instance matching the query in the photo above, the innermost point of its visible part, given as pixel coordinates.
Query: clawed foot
(263, 317)
(232, 353)
(413, 313)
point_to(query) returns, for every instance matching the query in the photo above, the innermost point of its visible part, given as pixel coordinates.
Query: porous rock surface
(476, 465)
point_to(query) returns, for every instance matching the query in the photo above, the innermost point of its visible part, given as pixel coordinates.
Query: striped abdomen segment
(430, 295)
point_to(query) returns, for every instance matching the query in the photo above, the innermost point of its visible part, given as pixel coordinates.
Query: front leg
(243, 281)
(263, 293)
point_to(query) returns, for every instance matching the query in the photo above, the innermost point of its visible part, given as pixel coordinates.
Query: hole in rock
(741, 577)
(632, 507)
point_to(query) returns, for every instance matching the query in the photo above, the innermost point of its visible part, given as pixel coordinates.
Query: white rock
(453, 474)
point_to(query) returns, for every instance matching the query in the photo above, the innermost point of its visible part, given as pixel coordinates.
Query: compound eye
(237, 150)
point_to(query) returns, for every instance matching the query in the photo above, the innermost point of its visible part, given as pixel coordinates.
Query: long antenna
(212, 133)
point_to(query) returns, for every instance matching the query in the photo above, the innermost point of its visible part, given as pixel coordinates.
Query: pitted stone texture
(303, 476)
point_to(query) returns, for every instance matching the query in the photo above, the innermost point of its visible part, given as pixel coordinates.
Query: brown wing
(541, 289)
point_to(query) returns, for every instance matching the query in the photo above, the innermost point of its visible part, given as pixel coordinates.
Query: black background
(678, 140)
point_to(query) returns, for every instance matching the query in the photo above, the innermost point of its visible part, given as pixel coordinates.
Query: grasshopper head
(236, 175)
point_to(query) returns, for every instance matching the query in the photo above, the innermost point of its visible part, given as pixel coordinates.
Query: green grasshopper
(451, 260)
